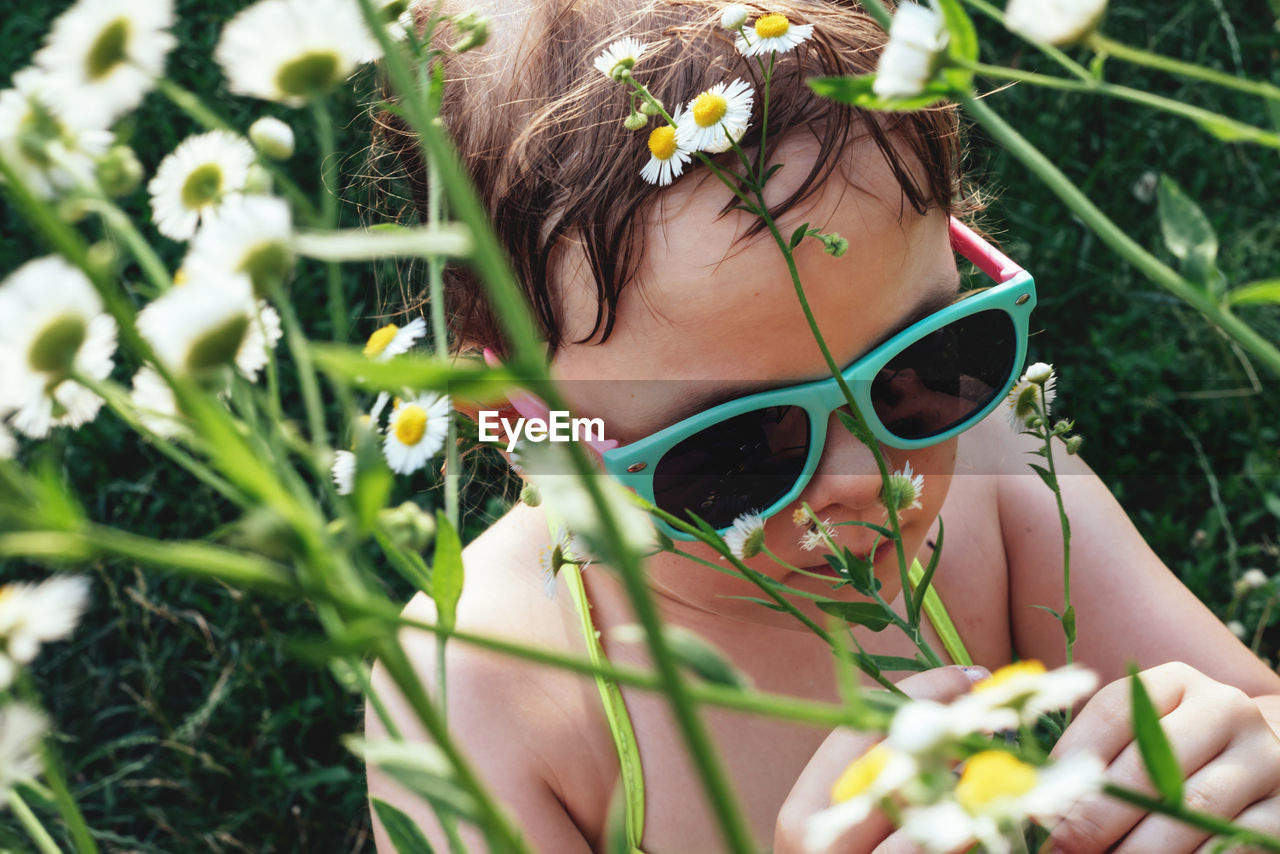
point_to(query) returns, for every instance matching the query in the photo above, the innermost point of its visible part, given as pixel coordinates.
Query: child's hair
(540, 132)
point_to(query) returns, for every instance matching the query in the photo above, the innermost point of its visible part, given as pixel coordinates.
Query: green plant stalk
(1051, 50)
(1066, 530)
(912, 632)
(43, 841)
(1138, 56)
(119, 224)
(1246, 132)
(1114, 236)
(329, 212)
(1212, 824)
(299, 348)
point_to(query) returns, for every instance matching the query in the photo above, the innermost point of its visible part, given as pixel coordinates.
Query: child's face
(709, 317)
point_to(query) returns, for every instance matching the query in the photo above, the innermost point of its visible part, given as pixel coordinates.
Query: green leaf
(768, 603)
(403, 832)
(413, 371)
(891, 662)
(1264, 291)
(1230, 130)
(857, 91)
(1069, 623)
(1056, 615)
(798, 235)
(1153, 744)
(1272, 502)
(697, 654)
(1047, 476)
(860, 572)
(923, 587)
(964, 37)
(867, 614)
(1188, 234)
(420, 767)
(373, 481)
(446, 571)
(855, 427)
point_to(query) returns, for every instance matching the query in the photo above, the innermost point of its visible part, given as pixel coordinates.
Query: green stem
(1138, 56)
(329, 211)
(1214, 123)
(300, 349)
(43, 841)
(121, 225)
(1063, 522)
(1213, 824)
(1114, 236)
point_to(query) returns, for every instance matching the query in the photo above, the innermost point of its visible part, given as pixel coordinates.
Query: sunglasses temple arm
(988, 259)
(531, 407)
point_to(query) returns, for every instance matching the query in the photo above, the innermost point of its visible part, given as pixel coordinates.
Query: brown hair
(540, 132)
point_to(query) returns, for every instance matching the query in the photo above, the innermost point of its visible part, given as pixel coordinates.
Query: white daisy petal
(51, 323)
(51, 150)
(392, 340)
(772, 33)
(290, 51)
(32, 614)
(624, 53)
(746, 536)
(917, 38)
(344, 472)
(200, 327)
(716, 118)
(103, 56)
(416, 431)
(1054, 21)
(247, 234)
(667, 158)
(196, 178)
(22, 728)
(8, 444)
(157, 408)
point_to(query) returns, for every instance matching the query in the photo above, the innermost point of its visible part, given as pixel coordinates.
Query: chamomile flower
(103, 56)
(250, 235)
(620, 57)
(196, 178)
(667, 158)
(562, 549)
(1036, 386)
(859, 788)
(291, 51)
(344, 472)
(734, 16)
(917, 38)
(416, 432)
(202, 326)
(996, 792)
(746, 537)
(22, 728)
(32, 614)
(51, 325)
(1054, 21)
(50, 150)
(924, 727)
(392, 340)
(1028, 689)
(272, 137)
(772, 33)
(716, 118)
(902, 490)
(818, 536)
(156, 406)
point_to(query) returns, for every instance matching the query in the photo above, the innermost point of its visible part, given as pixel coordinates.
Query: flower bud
(653, 108)
(636, 121)
(1252, 579)
(734, 16)
(834, 245)
(908, 62)
(1039, 373)
(473, 30)
(119, 171)
(272, 137)
(1073, 444)
(409, 526)
(530, 495)
(258, 181)
(1237, 628)
(1057, 22)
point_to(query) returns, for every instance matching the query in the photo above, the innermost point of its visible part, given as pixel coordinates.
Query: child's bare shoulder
(521, 723)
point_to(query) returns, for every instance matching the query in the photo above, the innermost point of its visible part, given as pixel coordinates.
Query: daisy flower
(773, 33)
(417, 430)
(291, 51)
(392, 340)
(272, 137)
(734, 16)
(344, 472)
(917, 38)
(51, 324)
(860, 787)
(902, 490)
(157, 408)
(103, 56)
(996, 793)
(746, 537)
(1036, 386)
(22, 728)
(716, 118)
(1054, 21)
(50, 151)
(250, 235)
(667, 158)
(560, 550)
(1030, 690)
(196, 178)
(819, 535)
(32, 614)
(199, 327)
(620, 56)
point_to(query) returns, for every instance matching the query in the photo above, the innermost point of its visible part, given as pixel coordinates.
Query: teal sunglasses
(931, 381)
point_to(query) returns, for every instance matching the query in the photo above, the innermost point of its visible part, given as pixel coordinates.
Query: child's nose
(846, 476)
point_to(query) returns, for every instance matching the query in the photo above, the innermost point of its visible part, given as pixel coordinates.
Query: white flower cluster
(995, 790)
(35, 614)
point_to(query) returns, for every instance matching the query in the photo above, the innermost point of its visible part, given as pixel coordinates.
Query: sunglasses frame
(634, 464)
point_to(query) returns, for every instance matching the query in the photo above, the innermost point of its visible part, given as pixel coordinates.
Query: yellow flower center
(860, 774)
(310, 73)
(379, 340)
(54, 348)
(771, 26)
(709, 108)
(662, 142)
(202, 187)
(411, 425)
(1009, 673)
(992, 775)
(109, 49)
(181, 277)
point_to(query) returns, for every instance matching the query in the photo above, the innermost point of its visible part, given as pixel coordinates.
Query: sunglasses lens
(947, 377)
(742, 464)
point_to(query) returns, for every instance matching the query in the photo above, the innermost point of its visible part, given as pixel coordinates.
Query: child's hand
(1229, 755)
(812, 790)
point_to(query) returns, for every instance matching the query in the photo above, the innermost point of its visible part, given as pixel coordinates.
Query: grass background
(188, 726)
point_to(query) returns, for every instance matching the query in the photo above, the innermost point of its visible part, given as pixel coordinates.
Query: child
(634, 281)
